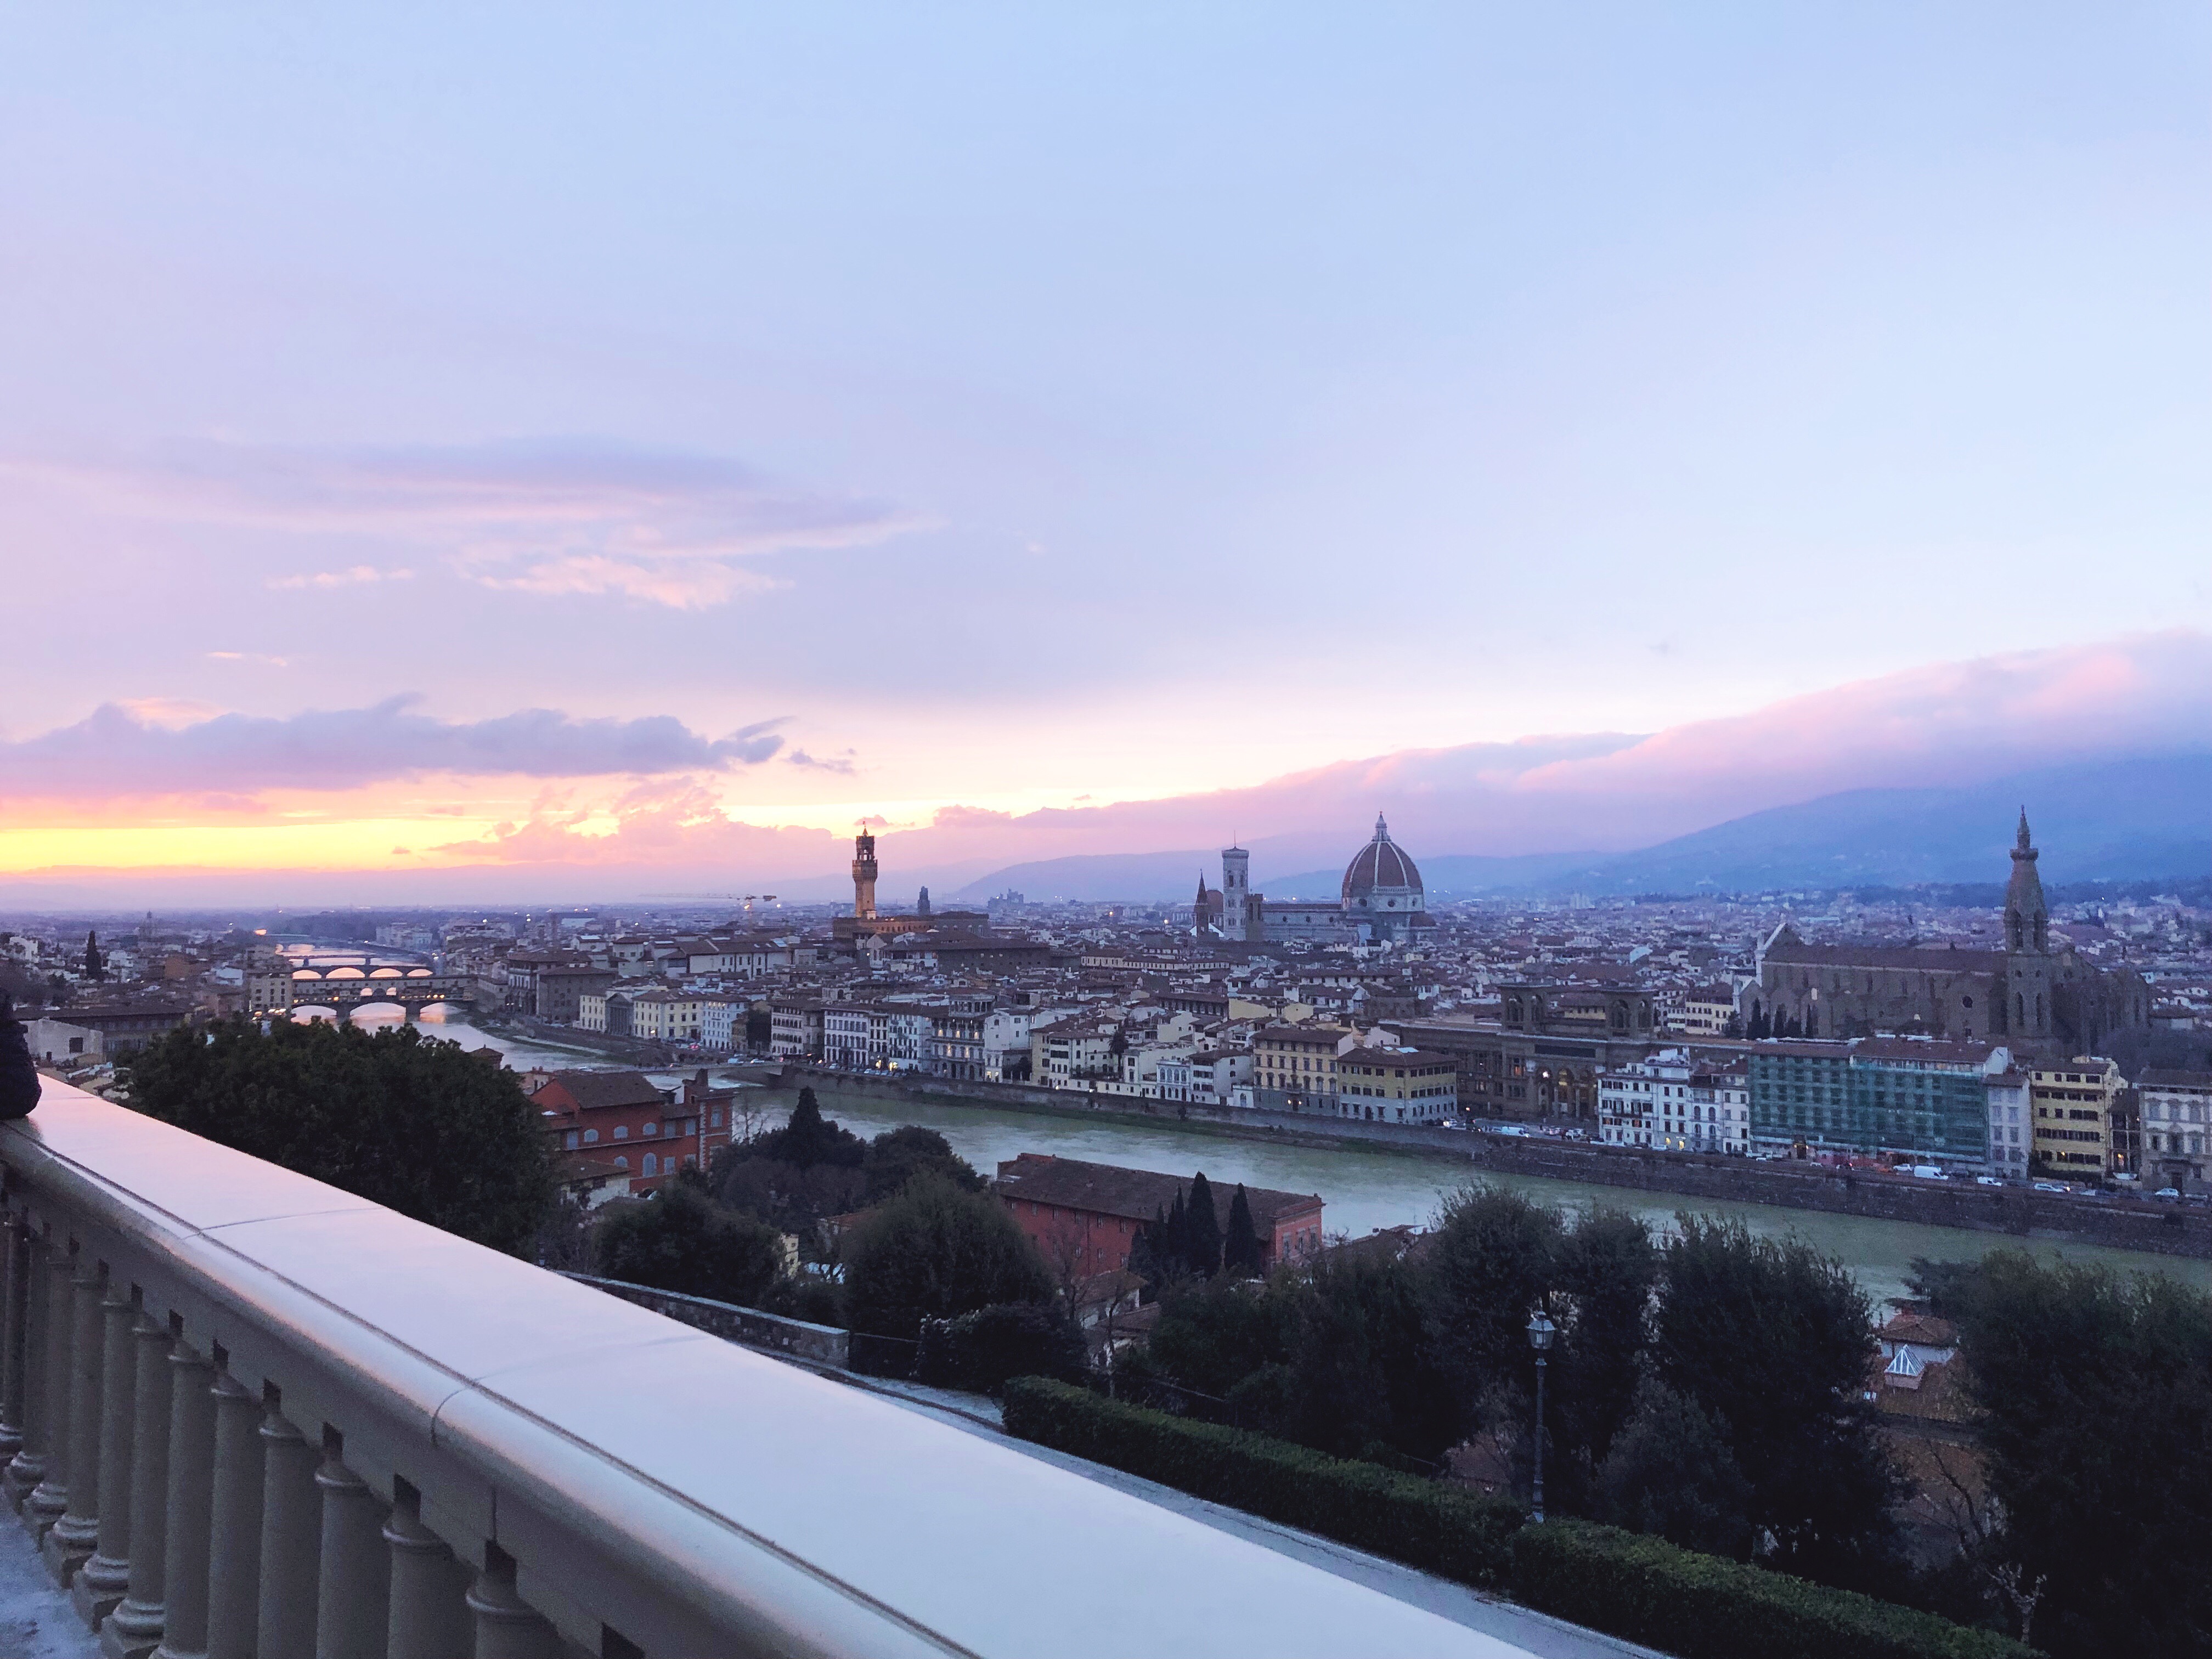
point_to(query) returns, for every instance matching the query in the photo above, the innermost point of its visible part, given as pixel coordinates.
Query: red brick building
(1091, 1211)
(622, 1123)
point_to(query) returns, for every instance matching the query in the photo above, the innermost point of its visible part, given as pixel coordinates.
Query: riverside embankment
(1376, 1174)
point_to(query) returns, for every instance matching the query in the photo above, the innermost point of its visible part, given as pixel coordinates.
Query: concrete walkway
(36, 1619)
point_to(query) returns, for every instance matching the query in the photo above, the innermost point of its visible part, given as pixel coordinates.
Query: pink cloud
(556, 518)
(152, 748)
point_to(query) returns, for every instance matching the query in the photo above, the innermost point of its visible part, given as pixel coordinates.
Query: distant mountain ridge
(2126, 820)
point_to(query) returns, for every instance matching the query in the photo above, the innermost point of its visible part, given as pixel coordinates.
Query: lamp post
(1541, 1333)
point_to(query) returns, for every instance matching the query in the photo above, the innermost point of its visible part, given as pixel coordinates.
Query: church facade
(2029, 993)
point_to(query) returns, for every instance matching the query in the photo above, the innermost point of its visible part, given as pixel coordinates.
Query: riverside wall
(2117, 1223)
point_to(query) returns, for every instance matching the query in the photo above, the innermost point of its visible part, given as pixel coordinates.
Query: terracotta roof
(1139, 1195)
(1381, 864)
(595, 1090)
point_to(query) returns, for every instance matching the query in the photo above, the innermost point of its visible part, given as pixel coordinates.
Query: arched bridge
(347, 989)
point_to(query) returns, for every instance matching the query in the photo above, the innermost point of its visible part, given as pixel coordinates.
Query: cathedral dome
(1381, 867)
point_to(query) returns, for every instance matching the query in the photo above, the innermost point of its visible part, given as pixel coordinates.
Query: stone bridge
(344, 989)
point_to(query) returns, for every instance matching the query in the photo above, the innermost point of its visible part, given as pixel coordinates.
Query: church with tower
(1380, 901)
(2032, 994)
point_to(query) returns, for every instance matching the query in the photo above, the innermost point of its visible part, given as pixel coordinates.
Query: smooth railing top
(784, 1511)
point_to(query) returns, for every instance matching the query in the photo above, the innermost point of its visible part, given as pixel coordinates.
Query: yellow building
(1397, 1085)
(1294, 1067)
(2073, 1101)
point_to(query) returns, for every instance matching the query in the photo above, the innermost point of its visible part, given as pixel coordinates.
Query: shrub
(1399, 1515)
(935, 1252)
(1697, 1606)
(1700, 1606)
(981, 1350)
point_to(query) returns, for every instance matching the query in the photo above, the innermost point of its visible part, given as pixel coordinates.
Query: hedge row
(1402, 1517)
(1702, 1606)
(1697, 1606)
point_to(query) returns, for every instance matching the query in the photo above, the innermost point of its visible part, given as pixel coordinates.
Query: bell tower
(2024, 1006)
(864, 876)
(1235, 892)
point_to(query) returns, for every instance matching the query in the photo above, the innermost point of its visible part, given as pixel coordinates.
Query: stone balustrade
(248, 1416)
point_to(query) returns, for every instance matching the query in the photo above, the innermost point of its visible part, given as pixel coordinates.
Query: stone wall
(824, 1344)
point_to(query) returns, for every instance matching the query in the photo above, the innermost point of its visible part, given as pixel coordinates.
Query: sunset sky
(588, 451)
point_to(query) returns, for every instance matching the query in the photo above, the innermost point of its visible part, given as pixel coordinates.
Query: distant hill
(2117, 821)
(2130, 820)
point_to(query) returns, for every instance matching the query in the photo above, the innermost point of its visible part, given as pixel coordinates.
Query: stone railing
(248, 1416)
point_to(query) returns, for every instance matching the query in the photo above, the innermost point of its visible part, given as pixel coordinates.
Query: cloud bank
(133, 751)
(1953, 724)
(550, 517)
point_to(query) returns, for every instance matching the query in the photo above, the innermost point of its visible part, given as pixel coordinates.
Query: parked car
(2051, 1186)
(1988, 1181)
(2168, 1194)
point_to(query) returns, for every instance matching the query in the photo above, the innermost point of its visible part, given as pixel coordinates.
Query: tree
(808, 1140)
(1203, 1235)
(983, 1349)
(95, 965)
(935, 1252)
(897, 1156)
(1671, 1472)
(1241, 1253)
(1606, 1269)
(423, 1127)
(680, 1240)
(1362, 1380)
(1493, 1257)
(1210, 1336)
(1775, 1341)
(2095, 1398)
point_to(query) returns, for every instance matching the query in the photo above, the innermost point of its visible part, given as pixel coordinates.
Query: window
(568, 1140)
(622, 1163)
(652, 1164)
(591, 1137)
(622, 1132)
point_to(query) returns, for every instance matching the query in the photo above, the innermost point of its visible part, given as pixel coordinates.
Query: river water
(1364, 1188)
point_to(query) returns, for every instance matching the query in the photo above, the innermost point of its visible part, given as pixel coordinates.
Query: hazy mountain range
(2146, 819)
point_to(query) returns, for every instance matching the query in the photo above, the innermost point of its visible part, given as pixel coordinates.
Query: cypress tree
(1205, 1234)
(95, 966)
(1240, 1247)
(1175, 1258)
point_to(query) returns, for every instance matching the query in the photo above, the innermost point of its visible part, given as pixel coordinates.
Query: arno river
(1366, 1189)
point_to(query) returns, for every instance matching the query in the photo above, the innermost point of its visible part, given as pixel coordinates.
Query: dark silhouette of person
(19, 1078)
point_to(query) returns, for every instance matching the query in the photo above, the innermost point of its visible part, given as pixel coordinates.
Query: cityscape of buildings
(2013, 1043)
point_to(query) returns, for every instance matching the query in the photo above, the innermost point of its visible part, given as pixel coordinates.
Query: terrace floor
(36, 1619)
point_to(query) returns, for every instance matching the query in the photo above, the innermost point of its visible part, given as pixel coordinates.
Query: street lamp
(1541, 1333)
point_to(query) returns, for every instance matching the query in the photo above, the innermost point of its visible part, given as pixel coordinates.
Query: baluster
(191, 1507)
(354, 1590)
(14, 1246)
(291, 1536)
(28, 1466)
(70, 1541)
(429, 1588)
(135, 1624)
(508, 1628)
(50, 1499)
(105, 1579)
(234, 1542)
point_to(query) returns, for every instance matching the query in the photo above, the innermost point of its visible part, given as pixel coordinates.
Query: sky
(628, 450)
